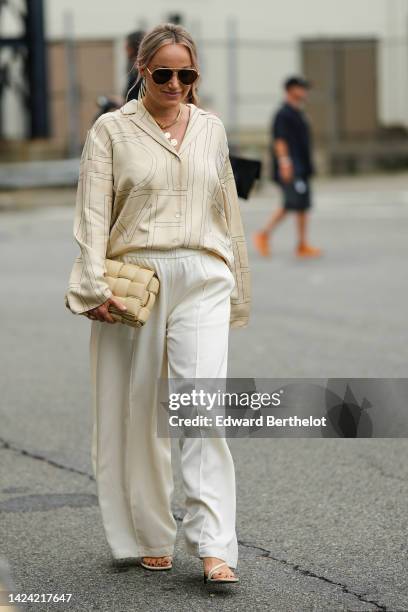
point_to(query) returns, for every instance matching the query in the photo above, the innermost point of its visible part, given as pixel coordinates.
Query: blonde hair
(164, 34)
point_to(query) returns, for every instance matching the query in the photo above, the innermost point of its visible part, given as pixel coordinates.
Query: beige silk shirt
(135, 191)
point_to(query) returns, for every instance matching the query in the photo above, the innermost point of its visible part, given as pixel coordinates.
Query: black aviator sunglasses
(186, 76)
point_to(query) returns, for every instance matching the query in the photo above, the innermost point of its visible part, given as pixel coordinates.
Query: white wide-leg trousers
(186, 336)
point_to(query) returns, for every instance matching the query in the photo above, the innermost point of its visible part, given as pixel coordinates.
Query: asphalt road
(322, 524)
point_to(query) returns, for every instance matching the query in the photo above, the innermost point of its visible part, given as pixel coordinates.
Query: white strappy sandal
(157, 567)
(209, 577)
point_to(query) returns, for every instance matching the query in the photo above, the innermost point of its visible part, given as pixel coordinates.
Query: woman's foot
(223, 573)
(157, 563)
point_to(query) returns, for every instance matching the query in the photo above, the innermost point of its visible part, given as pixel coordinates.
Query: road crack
(22, 451)
(178, 515)
(305, 572)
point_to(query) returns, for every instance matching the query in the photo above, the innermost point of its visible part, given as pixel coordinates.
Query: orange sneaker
(261, 243)
(308, 251)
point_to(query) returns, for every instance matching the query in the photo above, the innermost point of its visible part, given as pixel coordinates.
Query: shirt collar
(140, 116)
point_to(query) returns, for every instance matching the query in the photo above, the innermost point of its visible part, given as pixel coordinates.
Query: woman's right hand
(101, 313)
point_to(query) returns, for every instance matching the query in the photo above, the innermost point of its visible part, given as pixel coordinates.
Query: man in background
(112, 102)
(292, 168)
(132, 47)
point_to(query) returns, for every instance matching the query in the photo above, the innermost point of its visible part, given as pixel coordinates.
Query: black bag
(246, 172)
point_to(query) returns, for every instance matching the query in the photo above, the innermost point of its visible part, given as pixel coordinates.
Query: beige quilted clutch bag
(136, 287)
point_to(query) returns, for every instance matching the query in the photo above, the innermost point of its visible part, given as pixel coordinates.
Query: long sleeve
(93, 209)
(241, 295)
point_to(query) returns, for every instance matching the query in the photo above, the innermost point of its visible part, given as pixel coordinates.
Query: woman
(156, 188)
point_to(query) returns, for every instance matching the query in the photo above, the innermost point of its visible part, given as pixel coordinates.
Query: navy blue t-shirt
(291, 125)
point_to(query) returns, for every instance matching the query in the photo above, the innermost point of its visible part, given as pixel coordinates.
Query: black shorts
(296, 195)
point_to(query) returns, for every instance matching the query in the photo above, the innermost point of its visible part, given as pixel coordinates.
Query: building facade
(356, 54)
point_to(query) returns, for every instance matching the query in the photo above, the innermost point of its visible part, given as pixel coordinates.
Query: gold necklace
(164, 127)
(173, 141)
